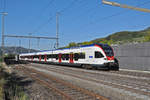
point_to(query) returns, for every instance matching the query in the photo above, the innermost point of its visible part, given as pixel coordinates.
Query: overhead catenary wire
(121, 12)
(115, 14)
(2, 5)
(68, 7)
(43, 24)
(86, 29)
(48, 5)
(51, 17)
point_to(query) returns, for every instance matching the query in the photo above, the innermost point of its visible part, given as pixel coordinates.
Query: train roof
(66, 48)
(85, 46)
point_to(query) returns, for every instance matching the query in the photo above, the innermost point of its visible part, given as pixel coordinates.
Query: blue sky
(80, 20)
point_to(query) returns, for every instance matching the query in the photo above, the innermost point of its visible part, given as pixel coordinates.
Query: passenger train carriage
(96, 56)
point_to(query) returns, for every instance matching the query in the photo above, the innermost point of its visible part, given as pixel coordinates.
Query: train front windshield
(108, 50)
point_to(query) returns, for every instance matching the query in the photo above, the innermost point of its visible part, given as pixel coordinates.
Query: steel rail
(98, 97)
(85, 91)
(103, 82)
(48, 85)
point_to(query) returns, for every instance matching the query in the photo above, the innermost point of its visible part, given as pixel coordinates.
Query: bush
(0, 59)
(10, 87)
(15, 92)
(2, 83)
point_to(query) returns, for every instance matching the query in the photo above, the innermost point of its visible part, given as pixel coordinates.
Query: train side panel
(100, 56)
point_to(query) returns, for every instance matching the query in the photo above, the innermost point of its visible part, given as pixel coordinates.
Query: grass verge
(2, 83)
(10, 88)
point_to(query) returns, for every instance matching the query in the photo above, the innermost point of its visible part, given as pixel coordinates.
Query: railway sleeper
(85, 98)
(76, 93)
(72, 93)
(65, 89)
(64, 83)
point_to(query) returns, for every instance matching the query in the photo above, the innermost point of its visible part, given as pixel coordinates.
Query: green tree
(72, 44)
(87, 43)
(147, 38)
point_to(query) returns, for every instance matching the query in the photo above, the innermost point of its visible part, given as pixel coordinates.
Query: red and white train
(97, 56)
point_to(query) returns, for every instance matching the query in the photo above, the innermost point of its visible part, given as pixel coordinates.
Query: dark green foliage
(72, 44)
(0, 59)
(11, 86)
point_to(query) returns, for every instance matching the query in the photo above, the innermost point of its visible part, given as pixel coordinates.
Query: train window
(98, 54)
(63, 57)
(76, 56)
(53, 55)
(67, 56)
(29, 57)
(108, 50)
(49, 56)
(82, 55)
(35, 56)
(42, 56)
(56, 56)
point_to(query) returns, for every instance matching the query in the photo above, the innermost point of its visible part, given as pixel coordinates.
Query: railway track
(117, 73)
(65, 90)
(133, 84)
(132, 73)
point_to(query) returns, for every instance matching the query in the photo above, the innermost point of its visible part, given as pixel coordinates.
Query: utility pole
(20, 51)
(38, 43)
(57, 30)
(30, 37)
(29, 42)
(2, 45)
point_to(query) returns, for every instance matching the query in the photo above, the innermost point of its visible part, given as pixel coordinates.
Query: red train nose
(110, 58)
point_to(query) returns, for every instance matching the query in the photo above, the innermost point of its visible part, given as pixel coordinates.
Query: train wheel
(86, 66)
(116, 65)
(94, 68)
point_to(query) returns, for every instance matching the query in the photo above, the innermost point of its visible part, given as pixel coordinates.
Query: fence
(133, 56)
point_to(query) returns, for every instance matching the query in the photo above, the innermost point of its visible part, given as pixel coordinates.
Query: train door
(59, 57)
(39, 57)
(32, 58)
(71, 58)
(45, 58)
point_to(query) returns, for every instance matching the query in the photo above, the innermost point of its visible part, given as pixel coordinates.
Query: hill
(119, 38)
(16, 50)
